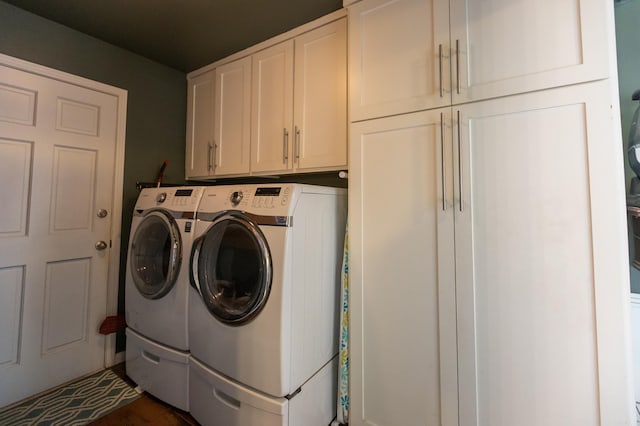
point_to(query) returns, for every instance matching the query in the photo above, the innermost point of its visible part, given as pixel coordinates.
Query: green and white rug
(75, 404)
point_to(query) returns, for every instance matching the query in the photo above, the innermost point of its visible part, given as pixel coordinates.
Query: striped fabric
(343, 356)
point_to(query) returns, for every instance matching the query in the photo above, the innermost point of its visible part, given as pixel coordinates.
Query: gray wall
(628, 49)
(156, 107)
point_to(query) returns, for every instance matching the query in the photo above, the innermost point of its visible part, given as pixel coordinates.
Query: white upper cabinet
(272, 109)
(231, 141)
(299, 103)
(502, 47)
(409, 55)
(399, 52)
(279, 107)
(320, 98)
(199, 149)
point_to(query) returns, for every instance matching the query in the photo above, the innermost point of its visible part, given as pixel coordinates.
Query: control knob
(236, 197)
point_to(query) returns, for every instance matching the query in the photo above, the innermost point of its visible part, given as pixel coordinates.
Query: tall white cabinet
(402, 272)
(488, 263)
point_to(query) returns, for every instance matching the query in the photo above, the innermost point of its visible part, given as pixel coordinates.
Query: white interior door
(57, 166)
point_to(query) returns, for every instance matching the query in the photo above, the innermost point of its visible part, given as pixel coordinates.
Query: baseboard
(119, 358)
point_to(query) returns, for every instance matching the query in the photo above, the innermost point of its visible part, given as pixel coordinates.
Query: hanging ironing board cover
(343, 368)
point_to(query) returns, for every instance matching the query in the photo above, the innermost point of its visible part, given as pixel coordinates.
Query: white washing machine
(157, 290)
(263, 308)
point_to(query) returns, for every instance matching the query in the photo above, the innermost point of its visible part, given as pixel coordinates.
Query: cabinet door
(398, 59)
(402, 297)
(199, 149)
(503, 47)
(320, 90)
(272, 109)
(541, 261)
(232, 126)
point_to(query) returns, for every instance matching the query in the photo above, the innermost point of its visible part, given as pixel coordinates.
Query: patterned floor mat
(75, 404)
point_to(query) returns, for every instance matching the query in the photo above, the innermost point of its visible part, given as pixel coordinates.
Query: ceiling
(182, 34)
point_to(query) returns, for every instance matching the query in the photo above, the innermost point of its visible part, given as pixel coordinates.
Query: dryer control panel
(270, 197)
(261, 199)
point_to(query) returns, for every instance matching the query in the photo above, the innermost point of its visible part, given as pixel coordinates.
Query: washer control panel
(259, 198)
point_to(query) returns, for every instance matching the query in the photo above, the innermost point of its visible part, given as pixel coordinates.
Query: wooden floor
(146, 410)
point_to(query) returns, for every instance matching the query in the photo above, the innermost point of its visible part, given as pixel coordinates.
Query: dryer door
(233, 268)
(156, 254)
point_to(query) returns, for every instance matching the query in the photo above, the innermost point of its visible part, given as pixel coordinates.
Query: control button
(161, 197)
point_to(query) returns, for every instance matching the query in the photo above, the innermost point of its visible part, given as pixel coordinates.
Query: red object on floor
(113, 324)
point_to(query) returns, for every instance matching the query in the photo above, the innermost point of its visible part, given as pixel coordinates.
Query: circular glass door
(156, 254)
(234, 268)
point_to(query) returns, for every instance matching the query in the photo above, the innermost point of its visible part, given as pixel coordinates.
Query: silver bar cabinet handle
(444, 175)
(297, 144)
(440, 68)
(215, 153)
(209, 156)
(285, 146)
(458, 66)
(459, 163)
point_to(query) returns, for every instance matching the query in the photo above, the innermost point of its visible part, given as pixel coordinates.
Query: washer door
(232, 269)
(155, 254)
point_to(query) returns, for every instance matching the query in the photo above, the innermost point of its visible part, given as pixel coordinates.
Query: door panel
(401, 228)
(272, 109)
(74, 176)
(65, 305)
(76, 117)
(320, 90)
(232, 126)
(17, 105)
(11, 291)
(15, 174)
(503, 47)
(200, 105)
(398, 57)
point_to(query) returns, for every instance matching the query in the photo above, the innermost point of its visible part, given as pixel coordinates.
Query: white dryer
(157, 290)
(263, 309)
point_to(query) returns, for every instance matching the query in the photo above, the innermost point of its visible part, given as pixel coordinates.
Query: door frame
(110, 357)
